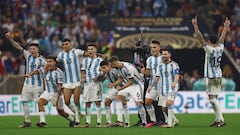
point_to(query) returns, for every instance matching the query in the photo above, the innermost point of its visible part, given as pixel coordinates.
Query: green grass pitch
(190, 124)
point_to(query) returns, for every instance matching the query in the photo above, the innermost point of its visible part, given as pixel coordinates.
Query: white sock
(119, 109)
(126, 114)
(71, 107)
(170, 115)
(70, 118)
(99, 114)
(142, 113)
(42, 116)
(26, 111)
(77, 113)
(217, 110)
(175, 119)
(88, 115)
(108, 114)
(151, 112)
(165, 116)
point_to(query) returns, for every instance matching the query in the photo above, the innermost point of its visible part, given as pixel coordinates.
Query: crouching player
(111, 74)
(168, 72)
(53, 77)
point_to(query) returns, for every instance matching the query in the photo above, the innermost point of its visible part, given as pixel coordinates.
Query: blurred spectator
(8, 25)
(160, 8)
(199, 85)
(228, 84)
(2, 68)
(182, 82)
(9, 63)
(21, 65)
(195, 77)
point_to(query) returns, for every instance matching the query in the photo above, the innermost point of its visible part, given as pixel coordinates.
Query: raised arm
(14, 43)
(197, 31)
(224, 31)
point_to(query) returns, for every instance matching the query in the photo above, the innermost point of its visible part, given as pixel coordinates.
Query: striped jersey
(112, 76)
(129, 71)
(71, 62)
(33, 64)
(152, 63)
(166, 74)
(213, 56)
(52, 79)
(91, 66)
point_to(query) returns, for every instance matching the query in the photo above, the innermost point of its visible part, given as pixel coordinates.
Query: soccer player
(212, 72)
(33, 86)
(112, 75)
(53, 77)
(90, 71)
(168, 72)
(71, 85)
(133, 86)
(151, 68)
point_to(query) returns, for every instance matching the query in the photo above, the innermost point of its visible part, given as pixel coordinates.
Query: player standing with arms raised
(33, 86)
(212, 72)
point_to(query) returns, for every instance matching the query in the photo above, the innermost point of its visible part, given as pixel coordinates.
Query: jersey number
(215, 62)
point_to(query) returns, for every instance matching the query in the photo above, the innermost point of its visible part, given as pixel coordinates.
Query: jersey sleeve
(60, 76)
(148, 63)
(79, 52)
(58, 59)
(41, 71)
(26, 53)
(176, 69)
(83, 66)
(207, 49)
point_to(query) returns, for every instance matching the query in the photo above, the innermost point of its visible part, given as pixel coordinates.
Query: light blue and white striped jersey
(129, 71)
(167, 73)
(91, 66)
(71, 64)
(52, 79)
(152, 63)
(112, 76)
(33, 64)
(213, 56)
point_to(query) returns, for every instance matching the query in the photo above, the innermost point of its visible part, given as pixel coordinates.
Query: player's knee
(60, 112)
(164, 109)
(98, 103)
(107, 102)
(169, 102)
(148, 101)
(40, 102)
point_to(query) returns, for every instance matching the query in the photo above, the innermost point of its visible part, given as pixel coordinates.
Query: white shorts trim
(92, 92)
(31, 92)
(49, 96)
(213, 86)
(163, 99)
(135, 91)
(71, 85)
(153, 94)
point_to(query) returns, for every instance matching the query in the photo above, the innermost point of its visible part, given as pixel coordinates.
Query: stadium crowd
(50, 21)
